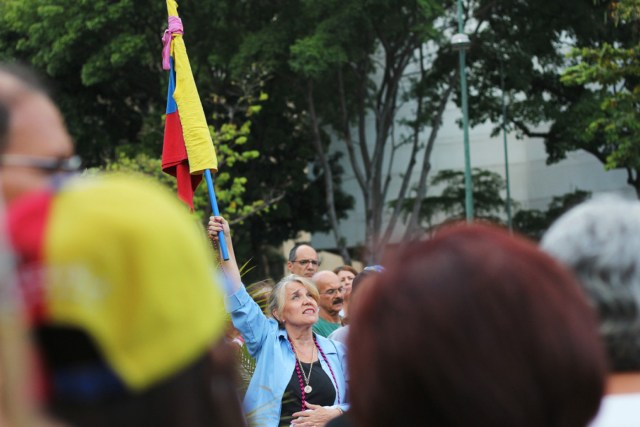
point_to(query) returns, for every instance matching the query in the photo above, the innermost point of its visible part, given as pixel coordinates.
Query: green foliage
(102, 59)
(337, 64)
(612, 72)
(230, 186)
(314, 55)
(229, 138)
(489, 204)
(522, 46)
(103, 62)
(608, 73)
(623, 11)
(449, 205)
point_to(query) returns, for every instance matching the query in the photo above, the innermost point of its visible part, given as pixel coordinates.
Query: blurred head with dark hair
(600, 241)
(474, 327)
(368, 272)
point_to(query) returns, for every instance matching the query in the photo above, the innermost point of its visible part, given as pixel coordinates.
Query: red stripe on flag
(175, 161)
(173, 149)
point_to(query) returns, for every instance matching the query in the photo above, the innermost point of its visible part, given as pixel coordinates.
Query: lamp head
(460, 41)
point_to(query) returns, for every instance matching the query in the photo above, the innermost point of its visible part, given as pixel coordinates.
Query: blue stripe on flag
(172, 107)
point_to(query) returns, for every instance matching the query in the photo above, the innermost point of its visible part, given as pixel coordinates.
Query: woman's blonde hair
(278, 296)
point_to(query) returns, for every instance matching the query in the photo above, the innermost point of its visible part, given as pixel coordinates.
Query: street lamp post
(460, 42)
(506, 150)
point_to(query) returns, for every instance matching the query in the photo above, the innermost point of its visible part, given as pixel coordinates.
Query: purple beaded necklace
(299, 372)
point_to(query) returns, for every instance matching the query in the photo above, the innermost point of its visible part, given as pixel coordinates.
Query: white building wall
(533, 182)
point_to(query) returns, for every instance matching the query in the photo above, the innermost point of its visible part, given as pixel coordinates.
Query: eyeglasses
(48, 164)
(332, 292)
(304, 262)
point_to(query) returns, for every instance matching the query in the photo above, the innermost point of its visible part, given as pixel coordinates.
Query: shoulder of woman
(331, 346)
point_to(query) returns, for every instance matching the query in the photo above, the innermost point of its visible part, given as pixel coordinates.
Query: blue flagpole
(216, 212)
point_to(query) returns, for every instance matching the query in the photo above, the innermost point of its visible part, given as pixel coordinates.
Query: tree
(103, 60)
(334, 70)
(449, 204)
(346, 63)
(526, 43)
(228, 138)
(610, 71)
(351, 63)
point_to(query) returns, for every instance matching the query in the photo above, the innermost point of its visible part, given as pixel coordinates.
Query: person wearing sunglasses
(35, 145)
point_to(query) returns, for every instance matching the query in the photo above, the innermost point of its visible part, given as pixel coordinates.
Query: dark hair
(294, 249)
(474, 327)
(202, 392)
(360, 278)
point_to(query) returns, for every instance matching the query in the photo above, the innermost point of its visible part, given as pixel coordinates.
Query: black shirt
(323, 393)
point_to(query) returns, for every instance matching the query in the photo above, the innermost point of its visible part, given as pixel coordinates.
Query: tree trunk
(328, 177)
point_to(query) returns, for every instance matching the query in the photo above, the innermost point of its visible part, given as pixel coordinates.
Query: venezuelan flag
(188, 149)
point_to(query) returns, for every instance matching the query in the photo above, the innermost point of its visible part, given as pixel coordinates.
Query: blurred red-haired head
(474, 327)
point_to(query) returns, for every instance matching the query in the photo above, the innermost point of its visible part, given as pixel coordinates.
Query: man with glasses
(303, 260)
(34, 142)
(330, 302)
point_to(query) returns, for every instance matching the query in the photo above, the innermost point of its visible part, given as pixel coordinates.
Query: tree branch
(268, 203)
(525, 130)
(426, 162)
(346, 130)
(328, 176)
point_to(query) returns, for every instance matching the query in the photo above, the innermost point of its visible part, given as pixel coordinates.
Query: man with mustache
(330, 302)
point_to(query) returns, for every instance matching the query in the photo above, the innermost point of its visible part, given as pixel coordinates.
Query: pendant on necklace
(308, 389)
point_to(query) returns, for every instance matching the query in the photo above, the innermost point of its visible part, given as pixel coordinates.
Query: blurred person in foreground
(346, 274)
(34, 148)
(34, 143)
(126, 315)
(600, 241)
(300, 376)
(473, 328)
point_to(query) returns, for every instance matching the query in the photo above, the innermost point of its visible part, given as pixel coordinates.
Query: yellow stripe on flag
(197, 139)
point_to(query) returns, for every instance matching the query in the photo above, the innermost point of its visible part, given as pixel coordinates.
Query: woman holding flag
(300, 377)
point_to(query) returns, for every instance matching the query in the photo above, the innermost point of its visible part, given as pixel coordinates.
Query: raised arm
(246, 315)
(229, 267)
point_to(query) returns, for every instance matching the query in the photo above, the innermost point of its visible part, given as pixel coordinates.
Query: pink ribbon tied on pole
(175, 27)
